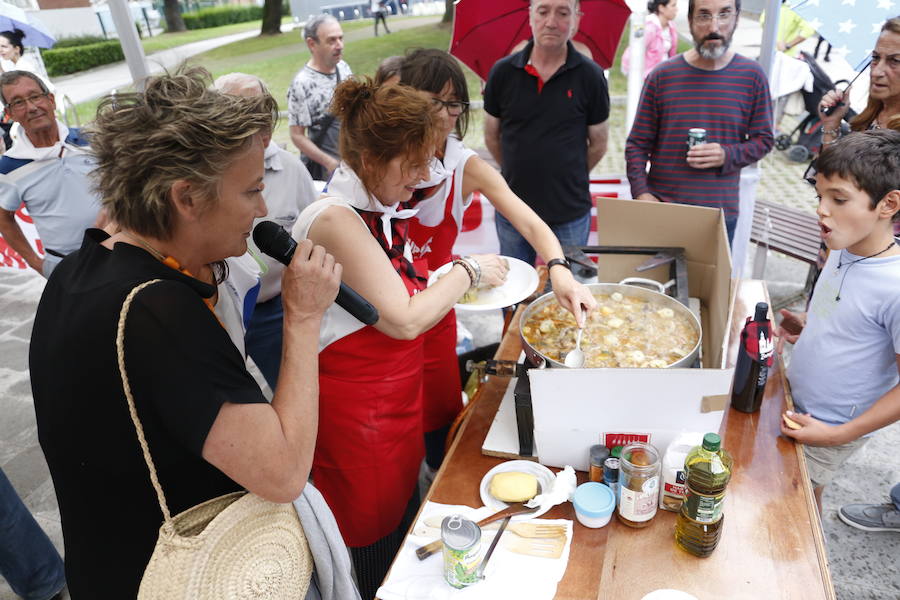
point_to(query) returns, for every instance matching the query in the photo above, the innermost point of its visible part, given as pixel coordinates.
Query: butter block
(513, 486)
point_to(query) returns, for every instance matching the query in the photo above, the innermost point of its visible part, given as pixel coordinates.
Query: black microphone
(272, 239)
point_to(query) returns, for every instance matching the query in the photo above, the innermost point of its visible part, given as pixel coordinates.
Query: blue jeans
(895, 496)
(264, 338)
(28, 560)
(570, 233)
(730, 226)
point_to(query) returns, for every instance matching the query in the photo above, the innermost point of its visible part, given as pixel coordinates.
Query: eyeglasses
(19, 103)
(454, 107)
(723, 18)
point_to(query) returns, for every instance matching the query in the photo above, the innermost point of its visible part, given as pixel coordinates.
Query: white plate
(544, 476)
(521, 282)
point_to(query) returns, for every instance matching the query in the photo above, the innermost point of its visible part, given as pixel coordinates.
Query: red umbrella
(484, 31)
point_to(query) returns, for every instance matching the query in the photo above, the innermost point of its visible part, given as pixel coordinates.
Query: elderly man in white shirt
(288, 190)
(47, 169)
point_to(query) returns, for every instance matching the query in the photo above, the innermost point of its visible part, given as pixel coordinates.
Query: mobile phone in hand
(792, 324)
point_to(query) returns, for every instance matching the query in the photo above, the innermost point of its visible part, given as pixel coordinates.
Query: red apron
(442, 389)
(370, 441)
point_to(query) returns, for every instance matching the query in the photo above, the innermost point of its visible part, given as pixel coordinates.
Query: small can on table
(696, 135)
(462, 542)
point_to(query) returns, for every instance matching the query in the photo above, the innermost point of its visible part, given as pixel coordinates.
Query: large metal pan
(659, 298)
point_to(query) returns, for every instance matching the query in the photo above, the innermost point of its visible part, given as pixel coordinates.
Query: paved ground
(864, 565)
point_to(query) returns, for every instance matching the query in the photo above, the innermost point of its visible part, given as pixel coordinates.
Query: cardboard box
(575, 408)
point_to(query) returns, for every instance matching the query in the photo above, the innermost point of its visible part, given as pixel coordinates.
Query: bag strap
(329, 118)
(168, 525)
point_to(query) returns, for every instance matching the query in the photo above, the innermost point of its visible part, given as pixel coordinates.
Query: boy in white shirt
(844, 368)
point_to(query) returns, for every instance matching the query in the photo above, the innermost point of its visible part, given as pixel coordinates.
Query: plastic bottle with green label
(708, 470)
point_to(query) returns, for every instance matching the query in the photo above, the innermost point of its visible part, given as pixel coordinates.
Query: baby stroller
(804, 141)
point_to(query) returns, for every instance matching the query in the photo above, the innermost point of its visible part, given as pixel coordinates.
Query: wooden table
(772, 544)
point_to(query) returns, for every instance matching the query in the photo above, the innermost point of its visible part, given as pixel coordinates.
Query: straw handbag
(234, 547)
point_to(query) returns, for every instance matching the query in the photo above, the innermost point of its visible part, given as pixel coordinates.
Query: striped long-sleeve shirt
(732, 104)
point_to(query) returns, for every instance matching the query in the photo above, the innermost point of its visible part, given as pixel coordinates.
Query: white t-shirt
(845, 359)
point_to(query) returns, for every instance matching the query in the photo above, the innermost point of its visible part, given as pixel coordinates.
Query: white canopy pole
(636, 43)
(770, 32)
(131, 44)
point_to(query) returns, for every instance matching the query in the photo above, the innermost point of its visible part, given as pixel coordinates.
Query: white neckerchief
(437, 173)
(22, 147)
(346, 184)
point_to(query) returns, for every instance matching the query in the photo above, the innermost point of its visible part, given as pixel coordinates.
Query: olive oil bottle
(698, 527)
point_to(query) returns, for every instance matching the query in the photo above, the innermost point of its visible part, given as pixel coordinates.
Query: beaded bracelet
(836, 132)
(468, 269)
(475, 267)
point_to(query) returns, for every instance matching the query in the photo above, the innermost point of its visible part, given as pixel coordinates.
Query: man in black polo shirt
(545, 123)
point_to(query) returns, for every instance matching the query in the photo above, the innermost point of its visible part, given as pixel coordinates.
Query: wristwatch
(558, 261)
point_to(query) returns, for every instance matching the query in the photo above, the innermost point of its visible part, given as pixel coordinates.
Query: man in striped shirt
(712, 87)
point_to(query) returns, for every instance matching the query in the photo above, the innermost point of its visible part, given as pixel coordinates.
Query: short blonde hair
(177, 129)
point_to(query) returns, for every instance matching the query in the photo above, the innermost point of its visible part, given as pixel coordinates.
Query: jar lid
(594, 499)
(599, 453)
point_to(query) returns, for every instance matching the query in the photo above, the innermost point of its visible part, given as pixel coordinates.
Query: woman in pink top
(660, 36)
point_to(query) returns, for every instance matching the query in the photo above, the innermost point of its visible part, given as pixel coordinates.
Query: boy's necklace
(850, 263)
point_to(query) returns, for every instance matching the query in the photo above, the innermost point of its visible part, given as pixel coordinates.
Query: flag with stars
(851, 26)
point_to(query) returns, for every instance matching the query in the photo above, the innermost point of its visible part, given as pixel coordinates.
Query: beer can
(697, 135)
(462, 542)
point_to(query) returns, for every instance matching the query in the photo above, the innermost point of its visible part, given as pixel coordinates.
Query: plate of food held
(521, 282)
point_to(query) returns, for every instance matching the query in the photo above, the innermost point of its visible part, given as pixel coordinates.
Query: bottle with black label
(755, 356)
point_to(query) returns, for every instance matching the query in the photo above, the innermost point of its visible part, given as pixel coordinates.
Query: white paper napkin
(562, 491)
(508, 574)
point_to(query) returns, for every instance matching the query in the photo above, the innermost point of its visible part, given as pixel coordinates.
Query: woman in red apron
(369, 446)
(441, 203)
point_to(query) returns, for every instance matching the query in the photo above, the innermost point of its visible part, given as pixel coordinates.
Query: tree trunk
(174, 22)
(271, 23)
(448, 12)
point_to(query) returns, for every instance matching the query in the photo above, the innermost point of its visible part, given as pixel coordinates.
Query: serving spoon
(575, 358)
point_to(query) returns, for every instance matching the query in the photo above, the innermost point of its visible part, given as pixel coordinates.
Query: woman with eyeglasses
(457, 174)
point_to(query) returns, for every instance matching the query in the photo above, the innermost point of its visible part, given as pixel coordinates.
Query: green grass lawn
(276, 59)
(164, 41)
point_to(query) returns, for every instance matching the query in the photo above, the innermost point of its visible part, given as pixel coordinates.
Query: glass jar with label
(639, 469)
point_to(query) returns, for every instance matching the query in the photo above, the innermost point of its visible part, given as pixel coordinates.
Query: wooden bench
(787, 230)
